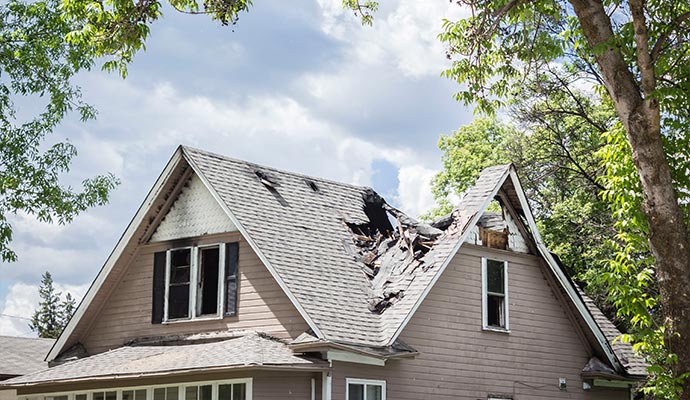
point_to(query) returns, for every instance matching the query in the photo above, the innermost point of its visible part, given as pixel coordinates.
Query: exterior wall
(8, 395)
(459, 360)
(266, 385)
(126, 313)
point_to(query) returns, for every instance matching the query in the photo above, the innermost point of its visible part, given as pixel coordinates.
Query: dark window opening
(209, 260)
(495, 281)
(178, 291)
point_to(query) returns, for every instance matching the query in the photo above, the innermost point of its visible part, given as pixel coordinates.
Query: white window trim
(193, 283)
(149, 390)
(485, 298)
(358, 381)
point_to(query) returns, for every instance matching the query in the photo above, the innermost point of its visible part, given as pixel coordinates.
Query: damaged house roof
(355, 267)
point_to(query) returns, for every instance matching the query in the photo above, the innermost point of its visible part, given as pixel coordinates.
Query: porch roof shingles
(20, 355)
(249, 350)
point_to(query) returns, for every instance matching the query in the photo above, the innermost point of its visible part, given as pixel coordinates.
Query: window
(195, 282)
(365, 389)
(495, 294)
(234, 389)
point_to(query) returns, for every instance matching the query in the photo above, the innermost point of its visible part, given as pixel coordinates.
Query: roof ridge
(274, 169)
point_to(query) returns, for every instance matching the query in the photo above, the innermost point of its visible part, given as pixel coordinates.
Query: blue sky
(304, 88)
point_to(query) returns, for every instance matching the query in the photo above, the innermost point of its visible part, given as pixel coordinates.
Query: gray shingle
(21, 355)
(249, 349)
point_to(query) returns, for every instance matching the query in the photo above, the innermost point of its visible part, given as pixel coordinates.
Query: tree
(52, 314)
(636, 51)
(36, 63)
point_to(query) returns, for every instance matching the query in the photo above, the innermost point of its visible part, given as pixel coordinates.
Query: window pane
(128, 395)
(494, 276)
(355, 392)
(80, 397)
(239, 391)
(374, 392)
(158, 394)
(56, 397)
(209, 260)
(179, 266)
(139, 394)
(205, 392)
(101, 396)
(178, 302)
(224, 392)
(110, 395)
(495, 311)
(171, 393)
(190, 393)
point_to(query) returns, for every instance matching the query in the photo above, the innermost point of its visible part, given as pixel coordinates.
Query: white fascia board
(346, 356)
(560, 276)
(115, 255)
(254, 246)
(453, 252)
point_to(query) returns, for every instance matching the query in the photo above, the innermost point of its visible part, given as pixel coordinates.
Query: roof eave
(127, 235)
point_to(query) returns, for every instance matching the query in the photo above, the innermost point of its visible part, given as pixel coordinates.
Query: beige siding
(8, 395)
(126, 314)
(459, 360)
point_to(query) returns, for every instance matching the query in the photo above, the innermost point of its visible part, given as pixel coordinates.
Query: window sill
(197, 319)
(495, 329)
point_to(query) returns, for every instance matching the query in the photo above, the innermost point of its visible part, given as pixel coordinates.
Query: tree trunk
(668, 234)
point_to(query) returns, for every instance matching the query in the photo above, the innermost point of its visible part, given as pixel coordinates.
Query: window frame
(181, 386)
(365, 382)
(194, 261)
(485, 297)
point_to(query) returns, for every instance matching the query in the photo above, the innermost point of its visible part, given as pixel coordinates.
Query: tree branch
(675, 24)
(644, 58)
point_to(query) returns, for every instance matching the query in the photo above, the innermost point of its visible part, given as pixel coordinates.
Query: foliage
(118, 29)
(37, 65)
(506, 43)
(52, 314)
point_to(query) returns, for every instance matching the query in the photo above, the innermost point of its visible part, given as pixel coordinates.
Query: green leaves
(36, 62)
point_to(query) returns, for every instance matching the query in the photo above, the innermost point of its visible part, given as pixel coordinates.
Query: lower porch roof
(169, 357)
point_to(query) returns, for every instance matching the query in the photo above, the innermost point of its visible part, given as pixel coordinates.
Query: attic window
(195, 282)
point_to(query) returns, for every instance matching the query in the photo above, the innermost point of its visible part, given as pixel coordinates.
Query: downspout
(313, 389)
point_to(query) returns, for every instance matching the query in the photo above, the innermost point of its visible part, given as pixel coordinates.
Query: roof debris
(390, 256)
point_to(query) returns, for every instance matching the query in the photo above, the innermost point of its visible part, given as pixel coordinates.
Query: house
(236, 281)
(20, 356)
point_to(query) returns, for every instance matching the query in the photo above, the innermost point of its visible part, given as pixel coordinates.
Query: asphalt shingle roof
(249, 349)
(19, 355)
(303, 234)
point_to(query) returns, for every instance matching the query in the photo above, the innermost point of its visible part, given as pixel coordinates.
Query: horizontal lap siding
(459, 360)
(126, 314)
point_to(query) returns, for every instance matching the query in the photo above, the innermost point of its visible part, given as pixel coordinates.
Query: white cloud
(414, 189)
(404, 37)
(20, 303)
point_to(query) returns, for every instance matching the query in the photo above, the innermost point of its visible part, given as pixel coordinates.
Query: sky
(302, 87)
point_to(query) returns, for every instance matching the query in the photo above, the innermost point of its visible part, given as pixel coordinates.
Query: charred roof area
(393, 248)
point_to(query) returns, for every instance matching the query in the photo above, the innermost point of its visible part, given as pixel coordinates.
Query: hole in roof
(313, 186)
(265, 179)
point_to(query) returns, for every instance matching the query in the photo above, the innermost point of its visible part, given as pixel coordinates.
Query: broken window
(207, 289)
(495, 294)
(194, 282)
(179, 271)
(365, 389)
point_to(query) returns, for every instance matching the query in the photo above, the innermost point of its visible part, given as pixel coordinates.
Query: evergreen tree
(53, 313)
